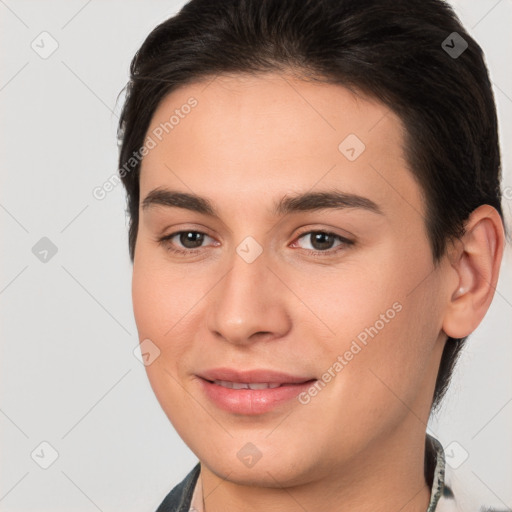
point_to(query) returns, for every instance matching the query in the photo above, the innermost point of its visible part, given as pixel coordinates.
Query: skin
(359, 443)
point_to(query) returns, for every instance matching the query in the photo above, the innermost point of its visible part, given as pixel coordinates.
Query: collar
(435, 466)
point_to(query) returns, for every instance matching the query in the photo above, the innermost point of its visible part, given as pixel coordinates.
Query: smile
(252, 398)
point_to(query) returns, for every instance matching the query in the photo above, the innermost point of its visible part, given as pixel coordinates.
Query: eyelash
(345, 242)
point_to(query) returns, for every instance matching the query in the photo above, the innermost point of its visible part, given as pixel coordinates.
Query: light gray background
(68, 373)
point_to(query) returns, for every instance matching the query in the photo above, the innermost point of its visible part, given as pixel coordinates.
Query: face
(334, 298)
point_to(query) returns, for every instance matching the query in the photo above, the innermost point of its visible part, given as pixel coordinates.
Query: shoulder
(455, 493)
(178, 499)
(457, 498)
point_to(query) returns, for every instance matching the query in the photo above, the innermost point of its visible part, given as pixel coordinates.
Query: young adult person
(315, 229)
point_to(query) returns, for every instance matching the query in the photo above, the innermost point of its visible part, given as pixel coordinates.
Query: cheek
(167, 305)
(159, 310)
(158, 296)
(147, 303)
(353, 297)
(384, 314)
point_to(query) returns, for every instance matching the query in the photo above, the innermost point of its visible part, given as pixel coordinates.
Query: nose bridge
(246, 301)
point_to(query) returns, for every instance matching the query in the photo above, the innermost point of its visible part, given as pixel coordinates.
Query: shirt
(187, 495)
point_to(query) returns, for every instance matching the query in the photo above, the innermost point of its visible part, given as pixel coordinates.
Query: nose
(250, 303)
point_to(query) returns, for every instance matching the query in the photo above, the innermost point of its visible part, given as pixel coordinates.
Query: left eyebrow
(331, 199)
(309, 201)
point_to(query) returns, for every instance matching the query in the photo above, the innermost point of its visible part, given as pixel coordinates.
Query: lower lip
(251, 401)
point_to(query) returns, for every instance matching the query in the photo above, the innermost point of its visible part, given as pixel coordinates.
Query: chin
(250, 466)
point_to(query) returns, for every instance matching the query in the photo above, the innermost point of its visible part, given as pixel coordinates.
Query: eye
(191, 241)
(322, 242)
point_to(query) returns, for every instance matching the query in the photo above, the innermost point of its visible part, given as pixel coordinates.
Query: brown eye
(186, 242)
(323, 242)
(191, 239)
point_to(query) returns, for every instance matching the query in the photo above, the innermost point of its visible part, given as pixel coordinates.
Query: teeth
(238, 385)
(245, 385)
(264, 385)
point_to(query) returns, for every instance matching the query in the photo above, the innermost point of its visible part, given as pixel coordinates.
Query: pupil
(193, 237)
(318, 237)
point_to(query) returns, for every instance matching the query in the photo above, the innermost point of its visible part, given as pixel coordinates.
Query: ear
(476, 262)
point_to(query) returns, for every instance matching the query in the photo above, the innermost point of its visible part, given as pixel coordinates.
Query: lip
(252, 401)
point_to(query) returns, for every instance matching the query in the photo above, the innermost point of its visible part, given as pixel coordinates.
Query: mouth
(251, 392)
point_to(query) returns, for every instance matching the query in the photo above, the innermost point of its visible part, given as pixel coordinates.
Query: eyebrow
(309, 201)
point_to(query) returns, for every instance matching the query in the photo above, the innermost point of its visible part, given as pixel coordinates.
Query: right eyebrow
(173, 198)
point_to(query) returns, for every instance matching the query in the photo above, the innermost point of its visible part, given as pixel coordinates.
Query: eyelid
(324, 229)
(166, 239)
(344, 242)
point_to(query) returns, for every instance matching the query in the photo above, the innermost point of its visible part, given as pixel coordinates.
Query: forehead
(273, 132)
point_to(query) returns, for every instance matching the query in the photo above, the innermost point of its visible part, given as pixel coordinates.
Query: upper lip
(249, 376)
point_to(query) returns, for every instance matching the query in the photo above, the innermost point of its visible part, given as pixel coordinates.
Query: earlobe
(477, 267)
